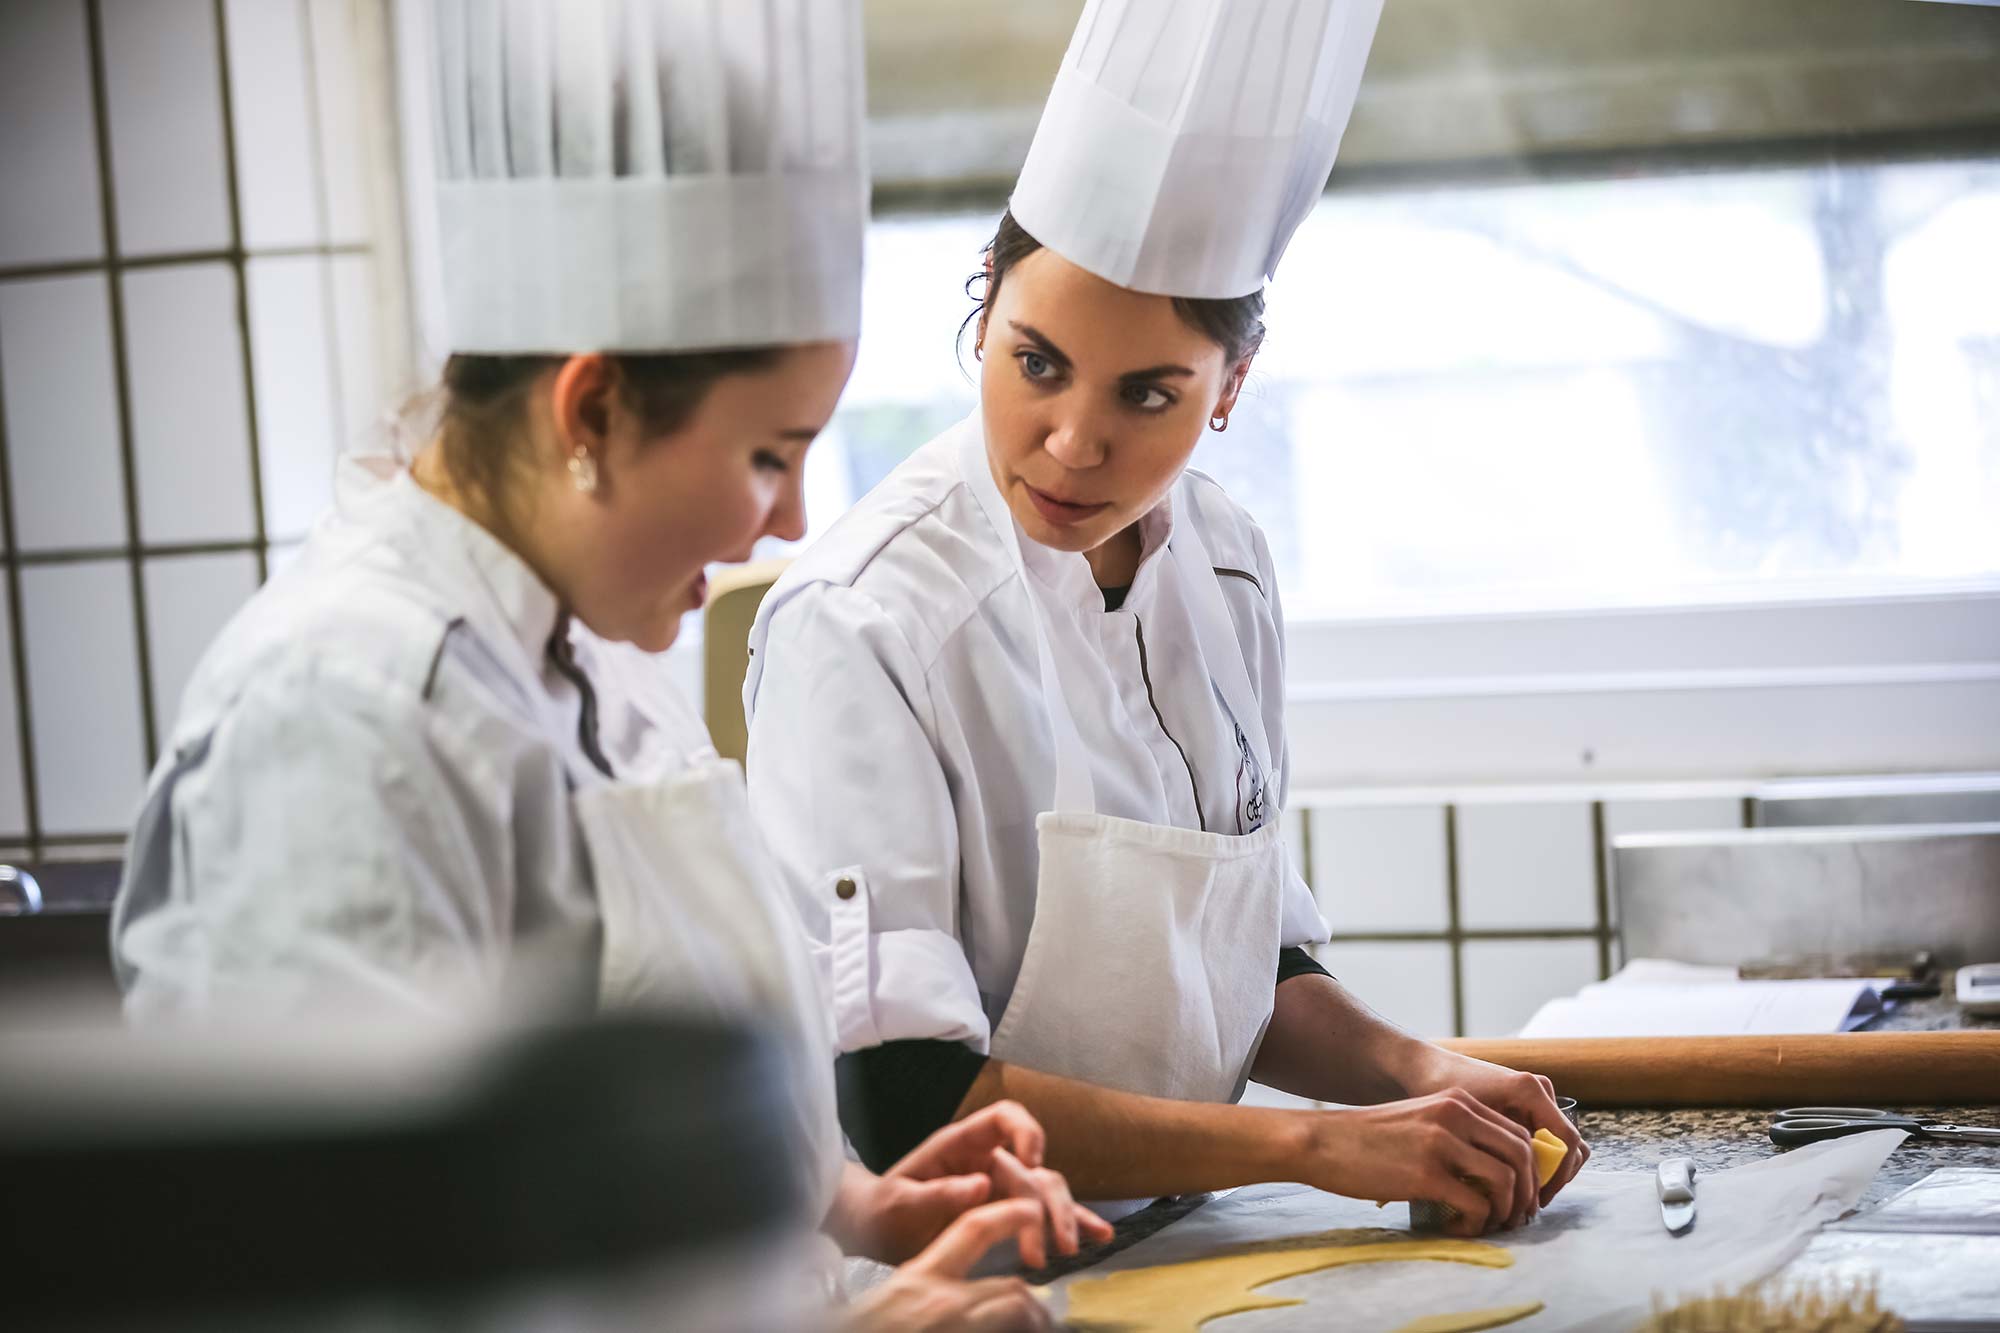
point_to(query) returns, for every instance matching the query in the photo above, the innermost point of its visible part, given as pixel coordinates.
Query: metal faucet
(25, 888)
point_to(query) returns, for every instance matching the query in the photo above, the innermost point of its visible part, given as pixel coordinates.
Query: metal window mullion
(122, 389)
(238, 262)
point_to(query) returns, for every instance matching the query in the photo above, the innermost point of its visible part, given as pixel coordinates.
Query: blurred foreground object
(1772, 1308)
(619, 1174)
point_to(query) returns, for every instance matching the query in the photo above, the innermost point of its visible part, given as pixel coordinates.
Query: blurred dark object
(55, 926)
(274, 1195)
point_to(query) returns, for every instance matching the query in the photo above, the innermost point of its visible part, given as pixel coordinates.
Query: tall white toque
(649, 175)
(1185, 140)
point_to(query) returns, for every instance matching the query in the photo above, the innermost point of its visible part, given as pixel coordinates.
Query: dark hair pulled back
(484, 396)
(1235, 324)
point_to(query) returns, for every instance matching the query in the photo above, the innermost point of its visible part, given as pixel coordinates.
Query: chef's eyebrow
(1042, 343)
(1047, 348)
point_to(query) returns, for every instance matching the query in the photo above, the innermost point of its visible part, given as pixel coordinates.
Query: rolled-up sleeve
(851, 798)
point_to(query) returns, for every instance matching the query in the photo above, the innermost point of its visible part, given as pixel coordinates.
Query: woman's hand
(995, 1153)
(1527, 1099)
(929, 1294)
(1447, 1147)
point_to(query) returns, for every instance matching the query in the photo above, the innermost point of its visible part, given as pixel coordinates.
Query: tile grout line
(1601, 848)
(74, 555)
(100, 102)
(323, 210)
(1469, 936)
(70, 268)
(1454, 929)
(18, 648)
(239, 265)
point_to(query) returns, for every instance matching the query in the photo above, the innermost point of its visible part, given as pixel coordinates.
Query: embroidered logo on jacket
(1252, 805)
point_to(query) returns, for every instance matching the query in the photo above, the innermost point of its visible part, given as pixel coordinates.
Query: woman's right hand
(929, 1294)
(1448, 1147)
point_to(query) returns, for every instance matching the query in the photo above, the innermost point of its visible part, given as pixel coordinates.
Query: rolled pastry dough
(1472, 1321)
(1180, 1298)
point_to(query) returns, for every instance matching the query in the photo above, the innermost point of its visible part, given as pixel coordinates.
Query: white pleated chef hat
(1185, 141)
(648, 175)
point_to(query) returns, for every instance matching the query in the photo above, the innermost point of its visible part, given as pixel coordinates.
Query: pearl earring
(583, 470)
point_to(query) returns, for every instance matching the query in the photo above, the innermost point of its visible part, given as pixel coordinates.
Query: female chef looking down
(432, 763)
(1017, 732)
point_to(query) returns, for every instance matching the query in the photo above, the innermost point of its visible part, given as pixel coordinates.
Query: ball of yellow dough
(1549, 1154)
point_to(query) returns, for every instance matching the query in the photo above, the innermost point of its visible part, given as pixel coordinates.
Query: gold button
(844, 890)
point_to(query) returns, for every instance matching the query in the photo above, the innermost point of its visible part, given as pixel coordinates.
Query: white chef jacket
(900, 748)
(366, 797)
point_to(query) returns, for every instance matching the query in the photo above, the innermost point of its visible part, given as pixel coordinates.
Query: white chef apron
(1153, 956)
(694, 920)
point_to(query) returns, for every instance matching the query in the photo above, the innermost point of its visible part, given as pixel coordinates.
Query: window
(1628, 389)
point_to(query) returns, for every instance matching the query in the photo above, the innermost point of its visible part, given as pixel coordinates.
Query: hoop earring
(583, 470)
(1218, 423)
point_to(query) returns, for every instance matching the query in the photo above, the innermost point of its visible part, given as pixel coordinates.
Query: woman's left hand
(995, 1153)
(1526, 1099)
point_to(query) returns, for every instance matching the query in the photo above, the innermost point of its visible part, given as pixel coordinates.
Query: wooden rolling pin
(1840, 1069)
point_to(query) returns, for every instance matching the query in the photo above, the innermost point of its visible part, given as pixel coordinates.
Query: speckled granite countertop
(1717, 1139)
(1636, 1140)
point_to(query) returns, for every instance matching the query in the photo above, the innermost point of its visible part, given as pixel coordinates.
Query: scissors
(1810, 1124)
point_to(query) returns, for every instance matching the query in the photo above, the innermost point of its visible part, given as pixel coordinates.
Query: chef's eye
(1147, 397)
(767, 461)
(1035, 366)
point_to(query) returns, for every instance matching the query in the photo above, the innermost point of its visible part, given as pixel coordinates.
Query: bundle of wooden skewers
(1781, 1308)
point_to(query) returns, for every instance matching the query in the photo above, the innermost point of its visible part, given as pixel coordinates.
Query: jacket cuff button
(844, 890)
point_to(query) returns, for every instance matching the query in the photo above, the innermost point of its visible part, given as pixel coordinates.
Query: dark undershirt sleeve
(894, 1096)
(1296, 962)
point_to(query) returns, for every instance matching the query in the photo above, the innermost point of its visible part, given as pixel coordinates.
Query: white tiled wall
(61, 393)
(337, 89)
(1463, 912)
(191, 318)
(1526, 866)
(13, 791)
(277, 153)
(290, 330)
(83, 687)
(50, 206)
(1380, 868)
(1507, 980)
(190, 414)
(163, 92)
(1408, 983)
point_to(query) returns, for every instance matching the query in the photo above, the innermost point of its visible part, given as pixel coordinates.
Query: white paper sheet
(1652, 997)
(1953, 1200)
(1595, 1257)
(1932, 1252)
